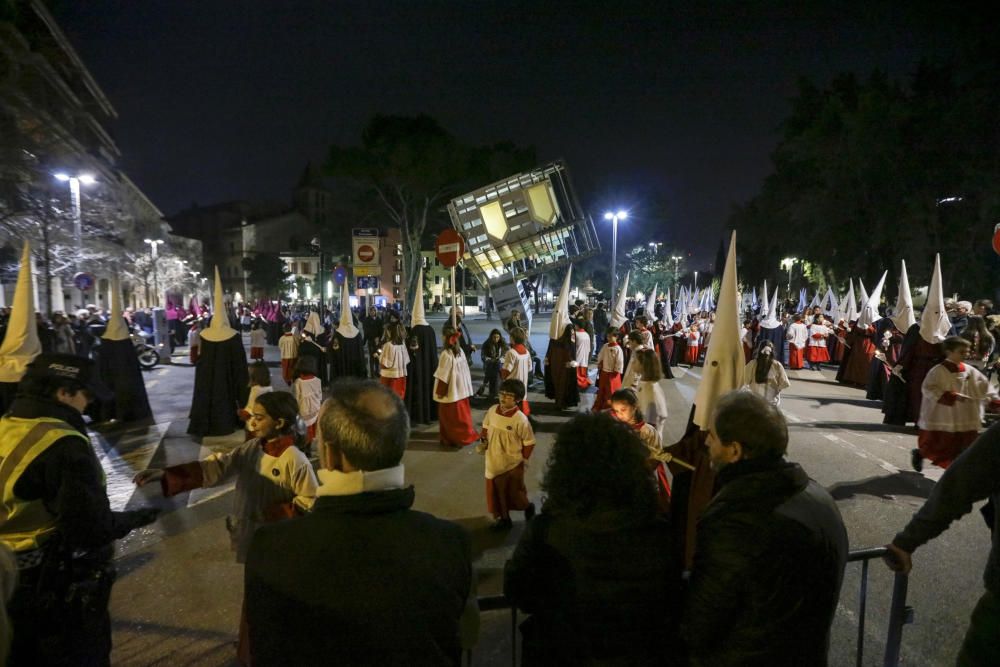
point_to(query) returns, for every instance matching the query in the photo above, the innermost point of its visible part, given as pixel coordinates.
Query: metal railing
(899, 613)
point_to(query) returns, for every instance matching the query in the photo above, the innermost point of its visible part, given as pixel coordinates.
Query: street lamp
(153, 243)
(677, 260)
(74, 199)
(614, 217)
(787, 263)
(695, 282)
(314, 244)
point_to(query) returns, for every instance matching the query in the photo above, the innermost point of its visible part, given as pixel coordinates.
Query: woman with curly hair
(594, 568)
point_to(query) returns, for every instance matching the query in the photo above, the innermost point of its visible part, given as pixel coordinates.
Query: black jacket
(361, 580)
(767, 569)
(601, 590)
(974, 476)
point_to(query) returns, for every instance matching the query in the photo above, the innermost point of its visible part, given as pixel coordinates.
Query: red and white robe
(610, 364)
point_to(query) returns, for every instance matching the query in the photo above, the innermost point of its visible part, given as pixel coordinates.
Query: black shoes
(916, 460)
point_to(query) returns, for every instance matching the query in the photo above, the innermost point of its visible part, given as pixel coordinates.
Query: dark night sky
(655, 106)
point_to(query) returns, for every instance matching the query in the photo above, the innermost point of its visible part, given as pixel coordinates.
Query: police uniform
(56, 517)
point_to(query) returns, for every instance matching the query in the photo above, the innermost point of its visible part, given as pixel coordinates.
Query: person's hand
(146, 476)
(898, 560)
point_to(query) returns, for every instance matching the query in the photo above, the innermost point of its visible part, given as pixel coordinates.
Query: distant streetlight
(614, 217)
(153, 244)
(787, 264)
(677, 260)
(74, 199)
(695, 282)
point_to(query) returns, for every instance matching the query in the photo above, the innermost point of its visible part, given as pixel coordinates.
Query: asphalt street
(177, 600)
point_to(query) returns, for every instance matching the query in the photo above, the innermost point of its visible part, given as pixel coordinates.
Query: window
(306, 267)
(437, 280)
(398, 264)
(397, 278)
(437, 262)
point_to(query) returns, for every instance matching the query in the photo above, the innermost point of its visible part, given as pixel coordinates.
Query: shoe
(916, 460)
(529, 512)
(502, 524)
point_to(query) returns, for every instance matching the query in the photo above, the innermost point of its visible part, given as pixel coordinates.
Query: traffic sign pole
(454, 306)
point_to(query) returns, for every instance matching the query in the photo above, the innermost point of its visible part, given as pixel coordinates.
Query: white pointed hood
(346, 327)
(117, 330)
(219, 330)
(765, 306)
(417, 317)
(903, 316)
(772, 321)
(313, 325)
(848, 307)
(830, 302)
(724, 362)
(934, 322)
(651, 305)
(869, 308)
(618, 315)
(668, 315)
(20, 344)
(560, 315)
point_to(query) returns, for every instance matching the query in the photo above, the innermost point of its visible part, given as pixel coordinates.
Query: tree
(267, 273)
(409, 167)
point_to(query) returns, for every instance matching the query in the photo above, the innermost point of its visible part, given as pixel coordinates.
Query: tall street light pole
(74, 200)
(153, 244)
(614, 217)
(677, 261)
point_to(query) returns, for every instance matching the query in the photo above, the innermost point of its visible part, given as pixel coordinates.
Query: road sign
(339, 275)
(366, 251)
(84, 281)
(449, 248)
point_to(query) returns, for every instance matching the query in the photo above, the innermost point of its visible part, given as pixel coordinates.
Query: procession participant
(626, 407)
(308, 392)
(194, 340)
(220, 376)
(373, 327)
(797, 335)
(393, 360)
(516, 364)
(692, 351)
(347, 352)
(633, 343)
(20, 343)
(652, 401)
(746, 338)
(464, 337)
(772, 329)
(856, 366)
(422, 348)
(559, 355)
(507, 443)
(951, 414)
(274, 479)
(663, 334)
(310, 346)
(816, 351)
(619, 320)
(124, 395)
(452, 391)
(288, 345)
(609, 370)
(57, 518)
(258, 338)
(764, 376)
(561, 364)
(582, 357)
(260, 383)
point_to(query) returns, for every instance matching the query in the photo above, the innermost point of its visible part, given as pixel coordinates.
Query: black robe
(118, 369)
(896, 398)
(309, 348)
(347, 357)
(420, 403)
(560, 379)
(777, 337)
(221, 388)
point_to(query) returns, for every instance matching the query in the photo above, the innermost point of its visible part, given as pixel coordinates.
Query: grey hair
(366, 423)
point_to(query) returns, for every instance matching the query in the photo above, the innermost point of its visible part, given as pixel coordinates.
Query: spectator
(983, 307)
(974, 476)
(593, 568)
(770, 552)
(960, 318)
(373, 327)
(373, 582)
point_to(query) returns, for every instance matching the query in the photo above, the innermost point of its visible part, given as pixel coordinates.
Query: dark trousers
(981, 647)
(491, 377)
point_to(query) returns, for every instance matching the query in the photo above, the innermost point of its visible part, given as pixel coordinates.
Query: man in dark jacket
(372, 325)
(974, 476)
(363, 579)
(57, 518)
(770, 552)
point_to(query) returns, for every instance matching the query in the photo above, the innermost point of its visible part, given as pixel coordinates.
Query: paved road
(178, 596)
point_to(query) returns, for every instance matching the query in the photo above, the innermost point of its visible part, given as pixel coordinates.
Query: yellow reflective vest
(26, 524)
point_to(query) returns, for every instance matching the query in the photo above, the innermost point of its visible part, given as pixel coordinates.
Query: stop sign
(366, 253)
(449, 248)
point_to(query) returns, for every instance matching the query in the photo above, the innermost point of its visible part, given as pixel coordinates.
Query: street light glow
(62, 177)
(608, 215)
(87, 179)
(622, 215)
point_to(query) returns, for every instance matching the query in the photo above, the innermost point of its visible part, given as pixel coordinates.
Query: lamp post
(614, 217)
(318, 249)
(788, 263)
(677, 261)
(696, 282)
(74, 199)
(153, 244)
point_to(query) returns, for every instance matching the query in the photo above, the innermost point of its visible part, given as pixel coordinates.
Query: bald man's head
(365, 423)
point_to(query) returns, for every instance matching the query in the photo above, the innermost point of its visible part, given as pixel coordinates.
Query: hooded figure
(118, 369)
(560, 358)
(855, 368)
(310, 346)
(665, 338)
(20, 344)
(771, 328)
(722, 373)
(895, 397)
(347, 351)
(221, 377)
(422, 346)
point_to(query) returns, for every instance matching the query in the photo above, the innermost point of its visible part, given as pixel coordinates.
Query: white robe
(777, 381)
(653, 404)
(582, 348)
(454, 371)
(965, 415)
(393, 360)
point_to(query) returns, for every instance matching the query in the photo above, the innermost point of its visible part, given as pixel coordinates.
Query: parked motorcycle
(146, 353)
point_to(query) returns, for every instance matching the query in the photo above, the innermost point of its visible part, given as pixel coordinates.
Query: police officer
(56, 517)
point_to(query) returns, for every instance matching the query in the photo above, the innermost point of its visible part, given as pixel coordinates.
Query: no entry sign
(366, 253)
(449, 248)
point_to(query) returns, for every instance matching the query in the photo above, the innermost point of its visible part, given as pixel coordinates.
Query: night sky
(667, 111)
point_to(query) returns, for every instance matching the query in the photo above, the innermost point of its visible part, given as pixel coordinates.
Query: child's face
(957, 355)
(623, 412)
(262, 425)
(507, 400)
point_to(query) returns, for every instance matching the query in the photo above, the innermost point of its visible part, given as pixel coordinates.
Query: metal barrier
(899, 613)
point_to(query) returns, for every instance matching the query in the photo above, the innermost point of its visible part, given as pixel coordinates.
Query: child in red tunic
(693, 346)
(258, 338)
(452, 388)
(507, 442)
(610, 365)
(393, 359)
